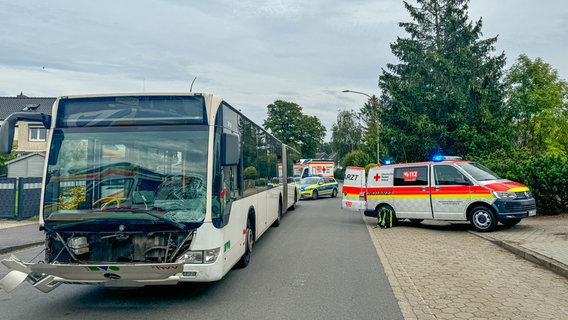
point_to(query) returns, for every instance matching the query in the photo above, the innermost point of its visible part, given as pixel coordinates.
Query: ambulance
(446, 188)
(314, 167)
(353, 190)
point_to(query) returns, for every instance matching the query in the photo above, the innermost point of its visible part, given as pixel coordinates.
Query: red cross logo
(377, 177)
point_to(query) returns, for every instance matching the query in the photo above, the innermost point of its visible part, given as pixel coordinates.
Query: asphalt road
(319, 264)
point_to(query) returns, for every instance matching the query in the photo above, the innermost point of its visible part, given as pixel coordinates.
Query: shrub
(250, 173)
(545, 175)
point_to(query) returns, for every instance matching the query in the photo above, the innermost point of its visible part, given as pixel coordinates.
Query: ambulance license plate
(532, 213)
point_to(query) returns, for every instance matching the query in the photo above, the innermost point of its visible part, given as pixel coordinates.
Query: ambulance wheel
(315, 195)
(334, 193)
(510, 222)
(483, 219)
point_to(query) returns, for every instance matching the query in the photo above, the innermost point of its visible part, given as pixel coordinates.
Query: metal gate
(28, 195)
(8, 197)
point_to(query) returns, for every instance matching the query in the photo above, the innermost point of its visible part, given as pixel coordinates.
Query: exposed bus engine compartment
(116, 247)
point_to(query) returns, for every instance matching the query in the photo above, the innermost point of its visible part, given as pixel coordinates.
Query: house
(29, 137)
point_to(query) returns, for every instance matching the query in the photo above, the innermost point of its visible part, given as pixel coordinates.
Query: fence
(19, 197)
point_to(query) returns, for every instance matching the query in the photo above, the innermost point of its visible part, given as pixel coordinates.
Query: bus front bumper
(46, 277)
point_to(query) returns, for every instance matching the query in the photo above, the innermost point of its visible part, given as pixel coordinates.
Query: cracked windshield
(145, 175)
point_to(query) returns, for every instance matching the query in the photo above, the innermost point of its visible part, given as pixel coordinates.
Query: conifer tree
(445, 94)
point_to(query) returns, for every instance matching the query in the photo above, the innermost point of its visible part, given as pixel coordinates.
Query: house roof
(9, 105)
(24, 157)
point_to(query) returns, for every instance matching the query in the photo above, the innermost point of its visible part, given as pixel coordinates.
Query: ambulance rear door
(353, 190)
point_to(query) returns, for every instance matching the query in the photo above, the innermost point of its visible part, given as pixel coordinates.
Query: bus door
(411, 192)
(353, 190)
(451, 192)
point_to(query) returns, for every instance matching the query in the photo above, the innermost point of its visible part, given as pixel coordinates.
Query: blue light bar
(438, 158)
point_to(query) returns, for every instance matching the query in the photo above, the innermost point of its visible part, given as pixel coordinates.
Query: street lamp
(372, 101)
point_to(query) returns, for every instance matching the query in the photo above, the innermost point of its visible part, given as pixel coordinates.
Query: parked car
(315, 187)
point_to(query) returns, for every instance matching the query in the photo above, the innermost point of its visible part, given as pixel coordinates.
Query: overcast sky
(250, 52)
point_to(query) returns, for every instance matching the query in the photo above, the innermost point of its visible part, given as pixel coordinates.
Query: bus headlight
(200, 256)
(505, 195)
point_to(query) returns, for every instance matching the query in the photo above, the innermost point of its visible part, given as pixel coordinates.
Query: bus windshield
(132, 175)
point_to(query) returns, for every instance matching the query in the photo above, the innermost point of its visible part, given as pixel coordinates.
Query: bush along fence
(19, 198)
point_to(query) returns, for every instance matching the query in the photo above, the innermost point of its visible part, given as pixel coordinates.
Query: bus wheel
(293, 207)
(483, 219)
(279, 219)
(249, 241)
(315, 195)
(334, 193)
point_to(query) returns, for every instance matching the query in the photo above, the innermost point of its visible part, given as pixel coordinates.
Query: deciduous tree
(537, 100)
(287, 123)
(346, 133)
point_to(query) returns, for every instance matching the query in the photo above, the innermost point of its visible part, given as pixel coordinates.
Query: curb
(535, 257)
(20, 247)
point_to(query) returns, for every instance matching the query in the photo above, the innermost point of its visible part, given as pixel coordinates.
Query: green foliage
(545, 175)
(261, 182)
(446, 78)
(537, 100)
(250, 173)
(356, 158)
(370, 115)
(369, 166)
(312, 132)
(5, 158)
(339, 174)
(284, 120)
(346, 133)
(287, 123)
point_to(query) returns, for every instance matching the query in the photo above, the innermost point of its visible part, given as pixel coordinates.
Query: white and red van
(353, 190)
(450, 189)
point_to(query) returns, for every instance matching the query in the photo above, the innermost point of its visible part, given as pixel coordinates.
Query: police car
(315, 187)
(444, 189)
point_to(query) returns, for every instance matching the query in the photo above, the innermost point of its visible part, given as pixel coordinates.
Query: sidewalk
(16, 235)
(542, 239)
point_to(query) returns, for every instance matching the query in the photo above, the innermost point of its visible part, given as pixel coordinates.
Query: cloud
(250, 52)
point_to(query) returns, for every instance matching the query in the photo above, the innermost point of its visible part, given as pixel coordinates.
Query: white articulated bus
(144, 189)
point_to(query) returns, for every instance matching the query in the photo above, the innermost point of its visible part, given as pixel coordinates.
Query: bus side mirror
(230, 149)
(9, 125)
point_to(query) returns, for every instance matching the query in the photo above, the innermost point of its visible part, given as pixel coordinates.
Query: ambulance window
(445, 175)
(411, 176)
